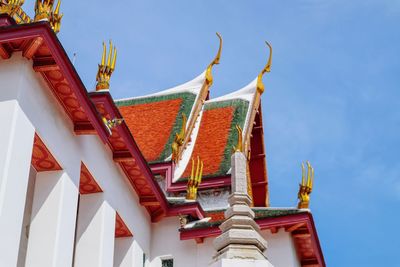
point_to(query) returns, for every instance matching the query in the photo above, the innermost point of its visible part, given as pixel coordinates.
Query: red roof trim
(111, 109)
(42, 30)
(268, 223)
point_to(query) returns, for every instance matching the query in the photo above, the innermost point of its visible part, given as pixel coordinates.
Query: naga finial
(239, 144)
(305, 186)
(106, 67)
(195, 179)
(267, 68)
(209, 77)
(178, 140)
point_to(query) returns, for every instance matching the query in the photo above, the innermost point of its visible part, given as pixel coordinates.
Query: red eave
(38, 42)
(127, 154)
(301, 226)
(257, 164)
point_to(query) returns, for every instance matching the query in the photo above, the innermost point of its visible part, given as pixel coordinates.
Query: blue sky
(331, 98)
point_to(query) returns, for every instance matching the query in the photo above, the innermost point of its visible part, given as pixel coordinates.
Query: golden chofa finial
(305, 186)
(209, 77)
(239, 144)
(44, 11)
(106, 67)
(178, 140)
(195, 179)
(10, 7)
(14, 9)
(267, 68)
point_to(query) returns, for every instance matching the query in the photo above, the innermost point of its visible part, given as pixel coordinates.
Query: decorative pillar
(95, 233)
(16, 142)
(127, 253)
(240, 243)
(52, 228)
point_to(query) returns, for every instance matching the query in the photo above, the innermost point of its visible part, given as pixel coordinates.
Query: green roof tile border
(260, 213)
(239, 116)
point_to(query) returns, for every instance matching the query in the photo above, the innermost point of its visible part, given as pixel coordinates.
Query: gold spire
(44, 11)
(305, 186)
(178, 140)
(239, 144)
(194, 180)
(267, 68)
(105, 70)
(209, 77)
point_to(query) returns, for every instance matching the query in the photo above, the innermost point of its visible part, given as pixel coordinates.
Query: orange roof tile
(212, 139)
(151, 125)
(217, 135)
(154, 120)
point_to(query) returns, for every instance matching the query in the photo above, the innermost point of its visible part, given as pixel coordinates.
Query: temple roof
(155, 120)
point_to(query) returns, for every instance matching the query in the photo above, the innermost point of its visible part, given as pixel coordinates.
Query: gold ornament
(267, 68)
(195, 179)
(209, 77)
(239, 144)
(305, 186)
(44, 12)
(106, 67)
(178, 140)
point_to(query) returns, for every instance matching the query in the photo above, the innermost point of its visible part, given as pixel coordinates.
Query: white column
(16, 144)
(127, 253)
(96, 232)
(52, 229)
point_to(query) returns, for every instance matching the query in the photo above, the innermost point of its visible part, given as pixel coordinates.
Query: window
(167, 263)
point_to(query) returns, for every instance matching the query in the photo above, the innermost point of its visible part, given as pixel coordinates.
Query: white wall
(281, 251)
(27, 218)
(19, 81)
(165, 241)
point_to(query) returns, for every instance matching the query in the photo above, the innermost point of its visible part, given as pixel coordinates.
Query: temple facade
(174, 178)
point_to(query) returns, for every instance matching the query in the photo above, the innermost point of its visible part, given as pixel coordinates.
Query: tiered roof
(155, 119)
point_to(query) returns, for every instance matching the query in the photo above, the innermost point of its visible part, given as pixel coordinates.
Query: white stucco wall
(21, 83)
(165, 241)
(281, 251)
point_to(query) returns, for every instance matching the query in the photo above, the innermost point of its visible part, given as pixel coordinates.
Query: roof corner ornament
(239, 144)
(106, 67)
(305, 188)
(209, 77)
(14, 9)
(267, 68)
(44, 12)
(195, 179)
(178, 140)
(112, 123)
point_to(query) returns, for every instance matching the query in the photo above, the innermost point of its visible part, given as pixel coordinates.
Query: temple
(174, 178)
